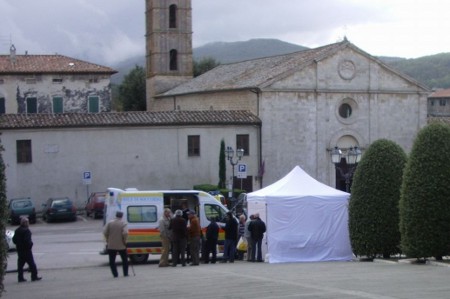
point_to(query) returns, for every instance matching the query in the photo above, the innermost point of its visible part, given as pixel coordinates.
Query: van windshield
(216, 211)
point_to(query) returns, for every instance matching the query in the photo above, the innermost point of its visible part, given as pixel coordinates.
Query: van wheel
(139, 258)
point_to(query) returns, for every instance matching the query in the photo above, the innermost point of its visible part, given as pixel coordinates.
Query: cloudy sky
(110, 31)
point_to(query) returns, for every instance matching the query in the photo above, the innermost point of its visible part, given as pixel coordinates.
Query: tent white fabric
(306, 220)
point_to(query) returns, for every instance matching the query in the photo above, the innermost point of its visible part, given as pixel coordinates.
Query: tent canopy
(306, 220)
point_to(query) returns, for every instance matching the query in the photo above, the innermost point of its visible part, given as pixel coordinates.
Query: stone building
(439, 103)
(308, 102)
(46, 155)
(52, 84)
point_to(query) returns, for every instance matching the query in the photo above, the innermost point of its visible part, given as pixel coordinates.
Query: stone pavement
(240, 280)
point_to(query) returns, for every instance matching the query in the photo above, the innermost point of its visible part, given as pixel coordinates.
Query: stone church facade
(308, 102)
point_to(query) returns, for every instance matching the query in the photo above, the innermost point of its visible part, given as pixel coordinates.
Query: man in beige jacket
(166, 236)
(116, 233)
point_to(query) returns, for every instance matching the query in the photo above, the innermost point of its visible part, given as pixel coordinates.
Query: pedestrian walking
(166, 235)
(257, 228)
(24, 245)
(116, 234)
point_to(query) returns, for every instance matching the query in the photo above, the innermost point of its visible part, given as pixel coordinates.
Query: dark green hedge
(425, 200)
(373, 206)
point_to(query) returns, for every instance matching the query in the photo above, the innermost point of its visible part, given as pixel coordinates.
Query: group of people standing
(182, 232)
(179, 232)
(175, 231)
(252, 232)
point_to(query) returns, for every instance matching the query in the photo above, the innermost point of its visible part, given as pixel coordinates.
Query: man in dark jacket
(231, 235)
(24, 244)
(257, 228)
(179, 238)
(212, 234)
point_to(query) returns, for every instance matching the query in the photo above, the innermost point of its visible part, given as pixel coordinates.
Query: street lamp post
(229, 153)
(352, 158)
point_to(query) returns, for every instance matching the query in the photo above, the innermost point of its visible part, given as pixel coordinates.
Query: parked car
(9, 234)
(59, 208)
(21, 207)
(95, 204)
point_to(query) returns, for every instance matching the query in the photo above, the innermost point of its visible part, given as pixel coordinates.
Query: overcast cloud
(110, 31)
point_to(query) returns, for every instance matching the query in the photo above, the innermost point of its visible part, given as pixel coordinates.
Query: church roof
(127, 119)
(261, 72)
(32, 64)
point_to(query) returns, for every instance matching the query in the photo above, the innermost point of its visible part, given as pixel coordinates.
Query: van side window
(141, 214)
(217, 211)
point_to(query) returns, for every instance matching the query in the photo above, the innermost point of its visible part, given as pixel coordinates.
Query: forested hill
(432, 71)
(240, 51)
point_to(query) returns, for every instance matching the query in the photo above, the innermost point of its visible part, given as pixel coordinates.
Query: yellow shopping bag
(242, 244)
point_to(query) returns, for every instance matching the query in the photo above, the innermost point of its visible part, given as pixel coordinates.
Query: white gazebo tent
(306, 220)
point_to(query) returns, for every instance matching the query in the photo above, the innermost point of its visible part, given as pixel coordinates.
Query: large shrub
(373, 207)
(425, 201)
(3, 218)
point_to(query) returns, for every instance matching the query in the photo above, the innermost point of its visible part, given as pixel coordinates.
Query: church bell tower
(169, 59)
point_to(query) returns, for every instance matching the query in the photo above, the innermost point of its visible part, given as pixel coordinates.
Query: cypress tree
(425, 201)
(425, 198)
(222, 166)
(373, 206)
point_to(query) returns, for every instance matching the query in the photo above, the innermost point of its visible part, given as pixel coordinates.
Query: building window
(2, 106)
(23, 151)
(93, 104)
(442, 102)
(58, 105)
(345, 110)
(194, 146)
(31, 105)
(30, 80)
(173, 60)
(57, 80)
(173, 16)
(242, 141)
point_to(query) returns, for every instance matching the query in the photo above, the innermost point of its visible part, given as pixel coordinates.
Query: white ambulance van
(143, 209)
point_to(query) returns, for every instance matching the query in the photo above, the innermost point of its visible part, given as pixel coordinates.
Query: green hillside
(247, 50)
(432, 71)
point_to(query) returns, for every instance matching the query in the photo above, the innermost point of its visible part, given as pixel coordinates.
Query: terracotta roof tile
(48, 64)
(121, 119)
(441, 93)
